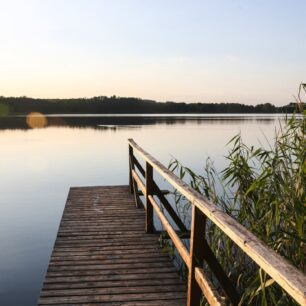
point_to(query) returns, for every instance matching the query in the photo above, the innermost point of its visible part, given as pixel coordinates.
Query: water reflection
(38, 120)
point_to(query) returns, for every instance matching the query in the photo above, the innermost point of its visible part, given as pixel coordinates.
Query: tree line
(127, 105)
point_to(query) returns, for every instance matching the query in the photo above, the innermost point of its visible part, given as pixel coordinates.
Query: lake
(38, 165)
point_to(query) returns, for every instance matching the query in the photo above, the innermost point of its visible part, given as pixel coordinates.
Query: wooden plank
(182, 235)
(175, 239)
(105, 239)
(113, 284)
(131, 166)
(139, 167)
(107, 267)
(161, 195)
(286, 275)
(102, 255)
(105, 278)
(170, 209)
(143, 173)
(99, 234)
(198, 224)
(139, 182)
(103, 250)
(165, 274)
(179, 302)
(112, 261)
(220, 274)
(163, 191)
(135, 271)
(211, 294)
(149, 190)
(131, 297)
(138, 288)
(132, 182)
(89, 256)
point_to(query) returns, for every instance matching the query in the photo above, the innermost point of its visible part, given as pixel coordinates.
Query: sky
(171, 50)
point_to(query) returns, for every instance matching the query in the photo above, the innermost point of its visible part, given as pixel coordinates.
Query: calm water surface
(39, 165)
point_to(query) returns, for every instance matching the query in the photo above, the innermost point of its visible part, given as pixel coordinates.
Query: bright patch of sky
(194, 51)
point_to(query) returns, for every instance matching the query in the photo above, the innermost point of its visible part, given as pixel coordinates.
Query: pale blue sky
(206, 51)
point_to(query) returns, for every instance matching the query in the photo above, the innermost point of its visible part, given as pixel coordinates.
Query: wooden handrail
(161, 195)
(211, 294)
(174, 237)
(139, 182)
(287, 276)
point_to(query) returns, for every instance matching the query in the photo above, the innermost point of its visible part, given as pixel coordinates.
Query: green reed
(264, 190)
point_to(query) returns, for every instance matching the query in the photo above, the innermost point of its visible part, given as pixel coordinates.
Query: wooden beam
(156, 190)
(220, 274)
(286, 275)
(131, 166)
(197, 236)
(169, 209)
(180, 234)
(149, 191)
(138, 202)
(139, 167)
(210, 292)
(175, 239)
(164, 191)
(139, 182)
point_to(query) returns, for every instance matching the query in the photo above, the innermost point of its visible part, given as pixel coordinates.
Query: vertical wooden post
(132, 183)
(130, 169)
(149, 189)
(197, 237)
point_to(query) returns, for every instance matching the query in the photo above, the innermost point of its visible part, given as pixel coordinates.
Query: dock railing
(287, 276)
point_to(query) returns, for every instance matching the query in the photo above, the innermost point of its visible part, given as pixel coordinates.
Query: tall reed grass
(263, 189)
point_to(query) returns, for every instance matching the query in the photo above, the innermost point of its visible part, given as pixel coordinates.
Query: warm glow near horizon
(196, 51)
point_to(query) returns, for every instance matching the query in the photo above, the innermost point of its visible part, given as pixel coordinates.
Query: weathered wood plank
(95, 249)
(126, 254)
(102, 255)
(158, 296)
(197, 236)
(149, 190)
(111, 272)
(139, 182)
(180, 224)
(138, 288)
(108, 267)
(105, 278)
(176, 240)
(211, 294)
(116, 283)
(112, 261)
(220, 274)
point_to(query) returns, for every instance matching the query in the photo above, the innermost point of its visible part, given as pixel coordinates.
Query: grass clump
(264, 190)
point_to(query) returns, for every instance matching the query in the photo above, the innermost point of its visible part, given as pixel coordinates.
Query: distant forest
(120, 105)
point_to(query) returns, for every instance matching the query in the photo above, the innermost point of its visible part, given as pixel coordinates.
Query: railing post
(149, 191)
(130, 169)
(197, 237)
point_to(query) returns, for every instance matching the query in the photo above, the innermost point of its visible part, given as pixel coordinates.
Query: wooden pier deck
(107, 251)
(102, 255)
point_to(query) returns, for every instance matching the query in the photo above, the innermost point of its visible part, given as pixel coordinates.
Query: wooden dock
(107, 250)
(102, 255)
